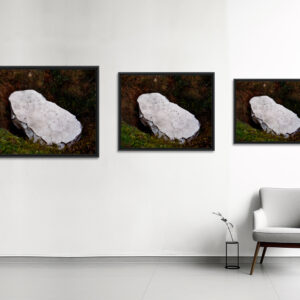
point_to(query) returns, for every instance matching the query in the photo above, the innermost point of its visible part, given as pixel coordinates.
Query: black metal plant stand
(237, 258)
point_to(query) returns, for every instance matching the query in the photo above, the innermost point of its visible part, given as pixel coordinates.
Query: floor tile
(147, 281)
(74, 281)
(216, 284)
(285, 279)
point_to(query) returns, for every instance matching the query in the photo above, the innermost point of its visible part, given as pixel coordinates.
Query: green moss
(245, 133)
(132, 137)
(13, 145)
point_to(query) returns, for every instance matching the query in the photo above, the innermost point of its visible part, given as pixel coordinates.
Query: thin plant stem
(229, 231)
(228, 224)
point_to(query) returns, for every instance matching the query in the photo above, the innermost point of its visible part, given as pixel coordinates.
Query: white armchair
(277, 223)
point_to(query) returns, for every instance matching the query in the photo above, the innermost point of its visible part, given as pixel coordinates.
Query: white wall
(263, 44)
(145, 203)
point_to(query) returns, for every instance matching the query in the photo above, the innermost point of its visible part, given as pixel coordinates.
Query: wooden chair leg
(254, 257)
(263, 255)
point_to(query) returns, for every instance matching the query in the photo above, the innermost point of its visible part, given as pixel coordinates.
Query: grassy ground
(13, 145)
(132, 137)
(247, 134)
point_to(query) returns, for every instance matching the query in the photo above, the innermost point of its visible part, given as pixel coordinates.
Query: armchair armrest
(260, 219)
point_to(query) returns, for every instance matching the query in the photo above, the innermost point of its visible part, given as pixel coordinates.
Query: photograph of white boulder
(49, 111)
(166, 111)
(167, 119)
(42, 120)
(272, 117)
(267, 110)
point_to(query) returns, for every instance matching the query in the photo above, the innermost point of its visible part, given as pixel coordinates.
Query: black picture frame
(211, 74)
(63, 67)
(235, 141)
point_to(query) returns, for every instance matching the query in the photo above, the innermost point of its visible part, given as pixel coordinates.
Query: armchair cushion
(277, 235)
(281, 206)
(260, 219)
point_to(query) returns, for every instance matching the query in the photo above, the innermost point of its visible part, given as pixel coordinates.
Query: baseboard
(142, 259)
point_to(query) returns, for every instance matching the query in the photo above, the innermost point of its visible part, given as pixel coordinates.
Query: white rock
(272, 117)
(42, 120)
(167, 119)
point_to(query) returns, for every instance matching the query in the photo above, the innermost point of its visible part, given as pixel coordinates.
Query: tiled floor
(147, 281)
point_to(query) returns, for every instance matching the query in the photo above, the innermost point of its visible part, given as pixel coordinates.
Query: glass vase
(231, 234)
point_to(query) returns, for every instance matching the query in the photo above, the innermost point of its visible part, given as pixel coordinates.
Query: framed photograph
(166, 111)
(266, 111)
(49, 111)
